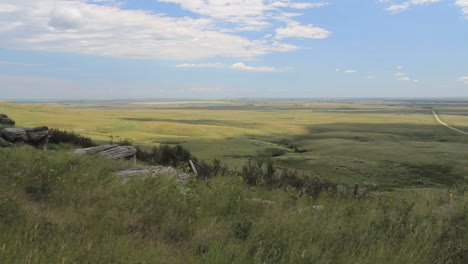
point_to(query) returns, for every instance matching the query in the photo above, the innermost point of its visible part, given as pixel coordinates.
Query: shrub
(58, 136)
(216, 168)
(254, 174)
(273, 152)
(125, 142)
(242, 228)
(165, 155)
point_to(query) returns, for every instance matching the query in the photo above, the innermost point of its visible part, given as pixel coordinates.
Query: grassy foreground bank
(60, 208)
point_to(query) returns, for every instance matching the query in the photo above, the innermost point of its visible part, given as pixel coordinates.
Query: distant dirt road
(445, 124)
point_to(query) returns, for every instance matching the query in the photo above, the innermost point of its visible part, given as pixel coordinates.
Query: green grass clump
(61, 208)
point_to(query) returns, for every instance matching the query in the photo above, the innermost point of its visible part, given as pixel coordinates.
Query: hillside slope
(61, 208)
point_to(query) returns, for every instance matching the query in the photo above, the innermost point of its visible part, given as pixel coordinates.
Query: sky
(104, 49)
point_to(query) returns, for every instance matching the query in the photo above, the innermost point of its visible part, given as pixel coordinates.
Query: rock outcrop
(5, 120)
(94, 150)
(111, 151)
(37, 136)
(151, 171)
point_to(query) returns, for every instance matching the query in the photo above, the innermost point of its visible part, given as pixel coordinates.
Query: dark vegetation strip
(191, 121)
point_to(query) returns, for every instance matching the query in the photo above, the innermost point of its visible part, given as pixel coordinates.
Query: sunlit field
(391, 143)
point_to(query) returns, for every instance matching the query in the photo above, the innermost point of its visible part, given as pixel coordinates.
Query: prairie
(385, 143)
(57, 207)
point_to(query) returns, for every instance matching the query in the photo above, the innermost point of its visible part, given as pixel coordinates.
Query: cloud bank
(395, 8)
(103, 28)
(463, 79)
(237, 66)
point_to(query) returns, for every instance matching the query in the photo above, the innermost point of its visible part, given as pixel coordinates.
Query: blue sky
(73, 49)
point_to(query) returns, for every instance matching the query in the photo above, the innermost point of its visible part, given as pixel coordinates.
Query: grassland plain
(390, 143)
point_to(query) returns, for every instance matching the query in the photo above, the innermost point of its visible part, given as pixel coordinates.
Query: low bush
(242, 229)
(165, 155)
(125, 142)
(58, 136)
(209, 170)
(258, 172)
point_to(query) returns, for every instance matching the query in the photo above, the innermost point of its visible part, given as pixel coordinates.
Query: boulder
(153, 170)
(122, 152)
(5, 120)
(94, 150)
(37, 136)
(111, 151)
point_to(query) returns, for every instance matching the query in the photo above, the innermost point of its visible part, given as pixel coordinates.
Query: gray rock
(153, 170)
(94, 150)
(122, 152)
(37, 136)
(111, 151)
(5, 120)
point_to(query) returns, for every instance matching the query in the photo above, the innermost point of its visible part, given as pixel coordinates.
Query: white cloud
(298, 5)
(7, 8)
(402, 76)
(242, 66)
(404, 79)
(236, 66)
(295, 30)
(201, 65)
(350, 71)
(463, 79)
(398, 8)
(247, 14)
(104, 29)
(464, 5)
(9, 26)
(395, 8)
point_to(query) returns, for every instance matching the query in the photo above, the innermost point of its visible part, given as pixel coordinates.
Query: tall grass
(61, 208)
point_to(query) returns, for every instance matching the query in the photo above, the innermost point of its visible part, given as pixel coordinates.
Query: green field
(379, 142)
